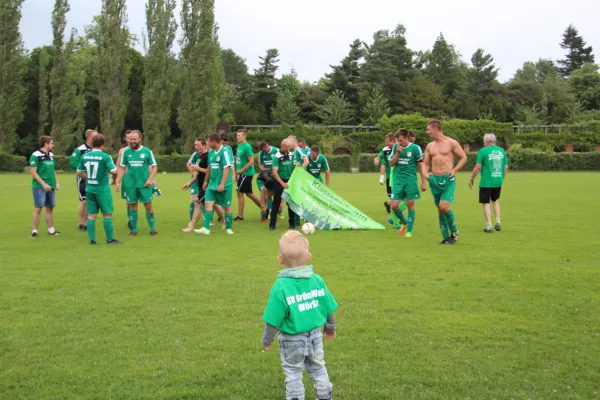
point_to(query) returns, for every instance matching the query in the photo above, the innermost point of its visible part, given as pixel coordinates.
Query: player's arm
(206, 179)
(327, 171)
(278, 178)
(426, 163)
(153, 170)
(33, 170)
(395, 155)
(56, 180)
(189, 165)
(330, 328)
(74, 159)
(460, 153)
(268, 336)
(304, 161)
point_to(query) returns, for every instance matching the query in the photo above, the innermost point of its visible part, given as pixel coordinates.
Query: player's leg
(277, 192)
(92, 211)
(198, 211)
(396, 199)
(194, 190)
(105, 204)
(49, 212)
(82, 208)
(220, 213)
(124, 197)
(146, 199)
(208, 212)
(133, 196)
(315, 365)
(227, 196)
(291, 351)
(39, 201)
(484, 200)
(496, 202)
(240, 198)
(447, 197)
(411, 193)
(388, 190)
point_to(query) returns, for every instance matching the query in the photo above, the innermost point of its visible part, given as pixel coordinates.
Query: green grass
(510, 315)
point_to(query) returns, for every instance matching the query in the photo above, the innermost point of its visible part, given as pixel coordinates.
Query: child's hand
(267, 348)
(329, 335)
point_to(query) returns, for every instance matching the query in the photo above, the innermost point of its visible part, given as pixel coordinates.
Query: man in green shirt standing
(218, 184)
(406, 158)
(245, 172)
(283, 165)
(493, 164)
(74, 163)
(265, 165)
(141, 167)
(44, 184)
(317, 163)
(94, 168)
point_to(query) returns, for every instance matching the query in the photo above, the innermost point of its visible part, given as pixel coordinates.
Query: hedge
(558, 142)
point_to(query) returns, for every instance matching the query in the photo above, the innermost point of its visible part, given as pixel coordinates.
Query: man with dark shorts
(493, 164)
(74, 163)
(245, 173)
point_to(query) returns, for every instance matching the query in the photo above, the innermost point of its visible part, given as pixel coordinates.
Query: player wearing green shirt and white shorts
(94, 167)
(317, 163)
(493, 164)
(244, 160)
(218, 183)
(300, 305)
(406, 158)
(141, 168)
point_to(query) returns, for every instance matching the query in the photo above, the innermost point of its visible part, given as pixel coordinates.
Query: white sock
(498, 221)
(34, 231)
(51, 230)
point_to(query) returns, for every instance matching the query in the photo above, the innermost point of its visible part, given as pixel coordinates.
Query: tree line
(97, 79)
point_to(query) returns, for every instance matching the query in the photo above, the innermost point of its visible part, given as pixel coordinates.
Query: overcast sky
(312, 34)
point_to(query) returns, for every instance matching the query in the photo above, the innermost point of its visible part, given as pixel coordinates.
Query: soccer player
(304, 147)
(493, 164)
(137, 171)
(283, 164)
(119, 157)
(317, 163)
(74, 163)
(245, 172)
(440, 155)
(265, 165)
(44, 185)
(383, 161)
(405, 158)
(94, 167)
(300, 160)
(193, 184)
(218, 183)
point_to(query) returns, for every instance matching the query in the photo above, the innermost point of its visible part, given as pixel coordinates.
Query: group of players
(213, 168)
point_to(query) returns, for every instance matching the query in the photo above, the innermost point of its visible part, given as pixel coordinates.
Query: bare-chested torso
(442, 155)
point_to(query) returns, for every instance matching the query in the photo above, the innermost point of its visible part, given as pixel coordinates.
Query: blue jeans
(300, 351)
(41, 198)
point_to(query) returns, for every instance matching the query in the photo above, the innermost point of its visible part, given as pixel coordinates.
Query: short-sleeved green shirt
(406, 168)
(315, 167)
(384, 156)
(137, 163)
(284, 164)
(243, 154)
(194, 159)
(77, 153)
(299, 156)
(493, 160)
(266, 159)
(305, 150)
(97, 165)
(218, 161)
(45, 164)
(298, 305)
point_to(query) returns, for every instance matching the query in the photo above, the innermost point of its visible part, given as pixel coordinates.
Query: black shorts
(201, 196)
(487, 194)
(244, 184)
(388, 188)
(80, 188)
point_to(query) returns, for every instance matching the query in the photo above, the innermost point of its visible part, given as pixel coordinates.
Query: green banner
(319, 205)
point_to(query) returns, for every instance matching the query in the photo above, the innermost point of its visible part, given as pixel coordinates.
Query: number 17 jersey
(97, 165)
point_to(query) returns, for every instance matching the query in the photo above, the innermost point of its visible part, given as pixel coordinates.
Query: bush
(339, 163)
(558, 142)
(12, 163)
(365, 163)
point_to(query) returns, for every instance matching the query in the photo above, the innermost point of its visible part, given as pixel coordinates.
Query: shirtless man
(440, 155)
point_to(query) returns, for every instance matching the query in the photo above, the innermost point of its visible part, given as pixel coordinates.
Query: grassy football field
(509, 315)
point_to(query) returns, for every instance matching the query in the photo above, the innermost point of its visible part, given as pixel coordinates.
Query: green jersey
(299, 156)
(284, 164)
(266, 159)
(406, 168)
(137, 163)
(384, 156)
(76, 155)
(299, 304)
(315, 167)
(97, 165)
(45, 164)
(218, 161)
(305, 151)
(194, 159)
(493, 160)
(242, 157)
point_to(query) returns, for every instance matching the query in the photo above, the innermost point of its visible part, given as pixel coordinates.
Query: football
(308, 228)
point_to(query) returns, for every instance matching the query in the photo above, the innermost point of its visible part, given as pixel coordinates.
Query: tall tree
(424, 97)
(286, 111)
(264, 88)
(336, 110)
(113, 68)
(577, 53)
(236, 71)
(12, 70)
(345, 77)
(44, 112)
(388, 65)
(376, 107)
(585, 83)
(445, 67)
(202, 72)
(158, 72)
(311, 96)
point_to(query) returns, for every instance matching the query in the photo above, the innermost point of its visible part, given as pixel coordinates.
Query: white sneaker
(202, 231)
(229, 232)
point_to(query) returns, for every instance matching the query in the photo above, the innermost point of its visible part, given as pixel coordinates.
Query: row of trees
(99, 80)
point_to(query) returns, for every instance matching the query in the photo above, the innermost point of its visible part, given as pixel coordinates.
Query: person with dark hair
(74, 162)
(194, 160)
(442, 181)
(317, 163)
(244, 160)
(383, 162)
(265, 178)
(283, 165)
(303, 146)
(94, 168)
(44, 185)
